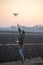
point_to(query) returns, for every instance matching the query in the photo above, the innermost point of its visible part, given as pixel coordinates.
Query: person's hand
(17, 25)
(17, 41)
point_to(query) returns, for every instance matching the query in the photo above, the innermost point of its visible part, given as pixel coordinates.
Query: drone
(15, 14)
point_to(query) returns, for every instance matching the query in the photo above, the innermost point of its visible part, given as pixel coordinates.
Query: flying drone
(15, 14)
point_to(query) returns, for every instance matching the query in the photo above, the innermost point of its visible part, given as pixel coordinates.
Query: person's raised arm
(18, 28)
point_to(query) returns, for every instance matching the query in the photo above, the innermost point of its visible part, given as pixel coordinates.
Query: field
(11, 37)
(33, 46)
(35, 61)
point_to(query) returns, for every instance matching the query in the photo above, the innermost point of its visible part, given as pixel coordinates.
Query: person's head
(23, 32)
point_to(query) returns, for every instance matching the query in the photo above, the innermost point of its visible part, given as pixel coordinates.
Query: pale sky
(30, 12)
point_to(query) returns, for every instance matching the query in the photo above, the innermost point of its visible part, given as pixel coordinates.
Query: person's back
(20, 40)
(21, 45)
(21, 37)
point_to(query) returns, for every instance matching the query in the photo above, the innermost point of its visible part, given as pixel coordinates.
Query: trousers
(21, 53)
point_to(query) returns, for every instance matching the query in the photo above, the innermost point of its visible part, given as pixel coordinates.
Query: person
(21, 43)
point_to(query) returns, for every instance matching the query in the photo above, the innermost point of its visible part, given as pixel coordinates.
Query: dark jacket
(21, 37)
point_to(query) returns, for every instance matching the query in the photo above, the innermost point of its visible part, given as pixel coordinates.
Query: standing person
(21, 43)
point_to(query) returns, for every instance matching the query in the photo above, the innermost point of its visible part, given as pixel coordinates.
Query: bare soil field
(33, 46)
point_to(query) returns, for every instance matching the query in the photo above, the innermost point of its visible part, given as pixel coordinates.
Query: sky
(30, 12)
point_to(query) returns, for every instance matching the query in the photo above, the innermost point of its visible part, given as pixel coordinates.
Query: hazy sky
(30, 12)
